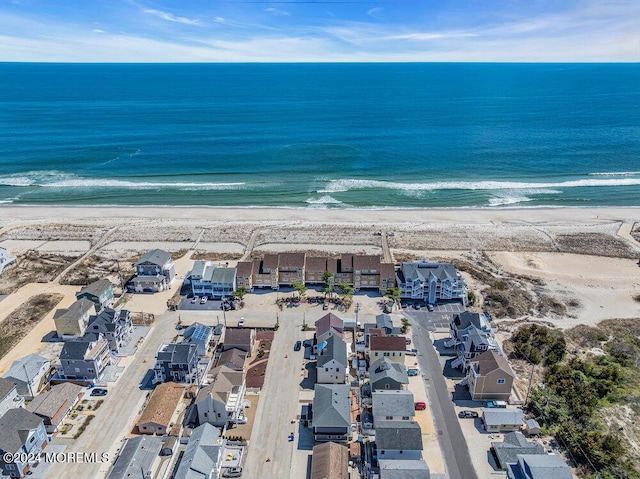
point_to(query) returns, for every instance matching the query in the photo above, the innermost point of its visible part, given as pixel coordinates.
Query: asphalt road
(452, 441)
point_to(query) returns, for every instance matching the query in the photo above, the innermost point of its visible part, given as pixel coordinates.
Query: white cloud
(97, 30)
(171, 17)
(374, 12)
(275, 11)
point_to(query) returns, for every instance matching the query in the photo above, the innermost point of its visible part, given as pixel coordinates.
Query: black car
(297, 346)
(466, 414)
(99, 392)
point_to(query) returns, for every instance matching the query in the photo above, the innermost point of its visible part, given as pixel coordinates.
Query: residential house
(392, 347)
(211, 280)
(370, 330)
(532, 428)
(314, 269)
(502, 420)
(243, 339)
(332, 361)
(385, 374)
(29, 374)
(546, 466)
(266, 272)
(403, 469)
(233, 359)
(331, 413)
(161, 410)
(392, 405)
(9, 397)
(513, 445)
(200, 335)
(490, 377)
(385, 322)
(330, 460)
(24, 437)
(461, 323)
(72, 322)
(85, 360)
(5, 259)
(114, 325)
(399, 440)
(327, 326)
(155, 272)
(475, 343)
(177, 362)
(222, 401)
(245, 271)
(55, 404)
(99, 292)
(291, 268)
(431, 281)
(202, 458)
(137, 457)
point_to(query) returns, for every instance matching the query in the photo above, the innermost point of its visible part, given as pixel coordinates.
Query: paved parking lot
(210, 305)
(437, 319)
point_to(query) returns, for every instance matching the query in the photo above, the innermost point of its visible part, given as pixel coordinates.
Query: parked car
(242, 419)
(325, 306)
(411, 352)
(203, 300)
(420, 406)
(241, 323)
(195, 299)
(467, 414)
(99, 392)
(232, 472)
(430, 307)
(407, 341)
(502, 404)
(417, 306)
(297, 346)
(412, 372)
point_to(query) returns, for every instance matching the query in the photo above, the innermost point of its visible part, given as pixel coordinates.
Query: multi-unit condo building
(155, 272)
(211, 280)
(431, 281)
(84, 360)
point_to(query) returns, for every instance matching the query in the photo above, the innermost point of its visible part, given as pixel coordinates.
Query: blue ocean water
(321, 135)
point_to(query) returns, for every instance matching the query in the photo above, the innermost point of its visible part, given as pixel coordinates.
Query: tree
(327, 279)
(300, 288)
(240, 293)
(393, 294)
(345, 290)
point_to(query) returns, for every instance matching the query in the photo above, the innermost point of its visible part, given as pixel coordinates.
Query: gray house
(431, 281)
(203, 457)
(99, 292)
(403, 469)
(514, 444)
(502, 420)
(200, 335)
(29, 374)
(332, 363)
(545, 466)
(114, 325)
(154, 272)
(55, 404)
(211, 280)
(9, 397)
(392, 406)
(331, 413)
(177, 362)
(387, 374)
(22, 433)
(399, 440)
(136, 458)
(85, 360)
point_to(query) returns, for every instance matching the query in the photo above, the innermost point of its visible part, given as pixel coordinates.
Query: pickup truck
(502, 404)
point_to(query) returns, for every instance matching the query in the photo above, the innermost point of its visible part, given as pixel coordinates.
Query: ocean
(320, 135)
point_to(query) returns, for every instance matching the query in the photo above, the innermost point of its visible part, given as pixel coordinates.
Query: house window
(501, 381)
(386, 386)
(326, 370)
(389, 418)
(405, 418)
(90, 371)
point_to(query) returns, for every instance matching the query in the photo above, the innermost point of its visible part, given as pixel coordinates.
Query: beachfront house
(99, 292)
(490, 377)
(84, 360)
(203, 457)
(71, 322)
(5, 259)
(332, 364)
(29, 374)
(502, 419)
(177, 362)
(266, 272)
(431, 281)
(23, 437)
(385, 374)
(155, 272)
(136, 458)
(543, 466)
(221, 402)
(115, 326)
(55, 404)
(9, 397)
(513, 445)
(399, 440)
(211, 280)
(162, 410)
(291, 268)
(331, 413)
(330, 460)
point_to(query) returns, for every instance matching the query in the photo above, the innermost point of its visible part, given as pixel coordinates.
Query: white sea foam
(353, 184)
(616, 173)
(323, 201)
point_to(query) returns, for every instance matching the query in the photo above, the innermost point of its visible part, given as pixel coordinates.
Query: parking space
(187, 304)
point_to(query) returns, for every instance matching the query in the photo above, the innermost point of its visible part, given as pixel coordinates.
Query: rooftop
(393, 403)
(136, 457)
(331, 406)
(330, 461)
(241, 336)
(336, 349)
(55, 401)
(162, 404)
(15, 426)
(500, 416)
(385, 368)
(157, 256)
(96, 288)
(6, 386)
(387, 343)
(27, 368)
(490, 361)
(399, 436)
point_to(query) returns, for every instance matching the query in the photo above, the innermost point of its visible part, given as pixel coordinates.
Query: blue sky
(331, 30)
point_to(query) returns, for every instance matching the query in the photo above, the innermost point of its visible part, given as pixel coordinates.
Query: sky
(320, 31)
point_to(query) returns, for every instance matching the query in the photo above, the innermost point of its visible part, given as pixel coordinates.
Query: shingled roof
(330, 461)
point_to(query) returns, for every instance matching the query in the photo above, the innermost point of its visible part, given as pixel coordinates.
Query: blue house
(22, 433)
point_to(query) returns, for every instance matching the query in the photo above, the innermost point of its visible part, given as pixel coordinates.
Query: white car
(241, 323)
(195, 299)
(203, 300)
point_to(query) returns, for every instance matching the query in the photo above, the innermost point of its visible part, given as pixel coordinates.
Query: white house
(28, 374)
(431, 281)
(5, 259)
(331, 367)
(222, 401)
